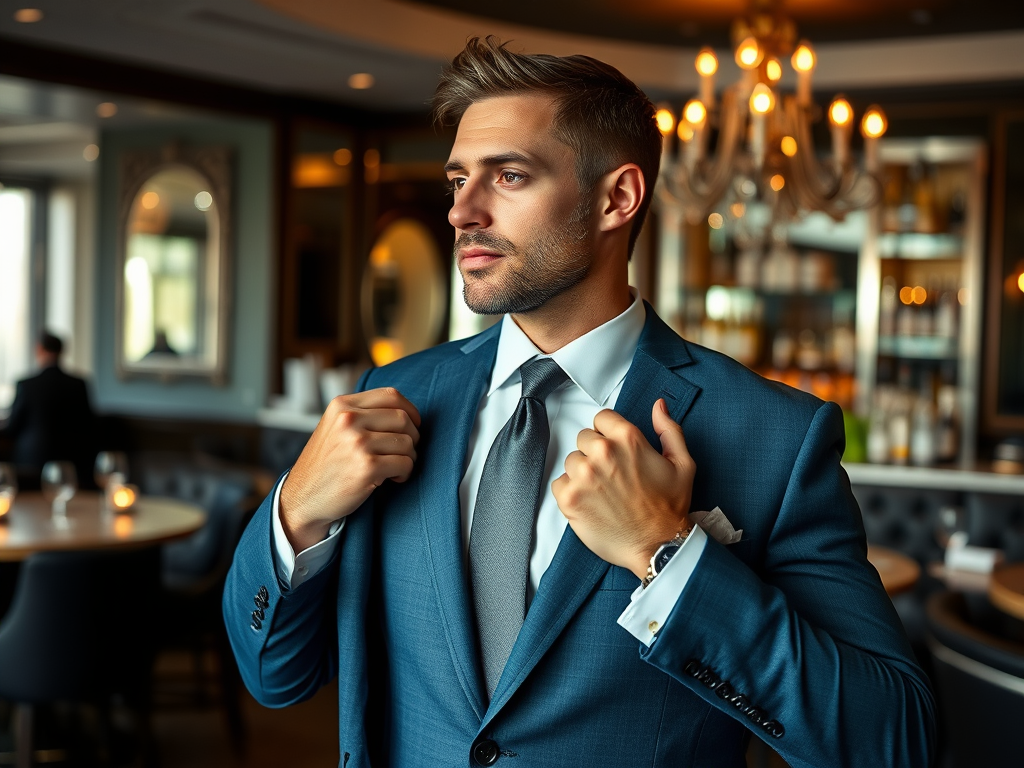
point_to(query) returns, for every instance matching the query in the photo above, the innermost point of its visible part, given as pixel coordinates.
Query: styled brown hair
(601, 114)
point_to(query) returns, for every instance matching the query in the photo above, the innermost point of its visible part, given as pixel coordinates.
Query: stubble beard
(528, 277)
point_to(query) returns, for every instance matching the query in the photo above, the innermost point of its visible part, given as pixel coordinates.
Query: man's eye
(511, 177)
(454, 185)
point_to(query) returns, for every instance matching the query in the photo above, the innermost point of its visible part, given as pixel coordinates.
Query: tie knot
(541, 377)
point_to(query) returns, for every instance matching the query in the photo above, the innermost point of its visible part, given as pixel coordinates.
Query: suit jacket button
(485, 752)
(264, 595)
(692, 668)
(724, 691)
(774, 729)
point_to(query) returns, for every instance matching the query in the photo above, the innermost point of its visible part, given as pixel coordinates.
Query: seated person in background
(51, 419)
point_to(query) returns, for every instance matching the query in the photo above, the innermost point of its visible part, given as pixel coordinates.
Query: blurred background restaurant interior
(227, 209)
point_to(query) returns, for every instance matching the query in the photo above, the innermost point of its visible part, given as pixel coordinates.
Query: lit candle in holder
(762, 101)
(695, 115)
(840, 116)
(707, 65)
(120, 496)
(872, 126)
(666, 122)
(804, 61)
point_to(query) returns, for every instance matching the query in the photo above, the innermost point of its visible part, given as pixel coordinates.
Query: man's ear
(620, 194)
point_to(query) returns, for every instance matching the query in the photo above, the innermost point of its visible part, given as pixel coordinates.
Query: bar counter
(977, 480)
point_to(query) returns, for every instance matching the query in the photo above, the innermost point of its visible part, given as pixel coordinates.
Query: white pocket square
(717, 526)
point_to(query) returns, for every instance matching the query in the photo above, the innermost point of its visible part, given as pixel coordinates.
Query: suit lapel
(575, 571)
(454, 396)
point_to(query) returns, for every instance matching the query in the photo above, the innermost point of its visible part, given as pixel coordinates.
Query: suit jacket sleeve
(286, 643)
(19, 412)
(809, 653)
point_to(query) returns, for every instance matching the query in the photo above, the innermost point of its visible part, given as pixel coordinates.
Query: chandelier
(764, 150)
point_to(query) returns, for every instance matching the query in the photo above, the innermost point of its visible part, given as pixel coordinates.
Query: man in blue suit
(621, 634)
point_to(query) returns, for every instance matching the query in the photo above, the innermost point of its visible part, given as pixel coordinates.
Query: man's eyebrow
(505, 157)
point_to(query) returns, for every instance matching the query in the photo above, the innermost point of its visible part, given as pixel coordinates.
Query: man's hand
(621, 497)
(361, 441)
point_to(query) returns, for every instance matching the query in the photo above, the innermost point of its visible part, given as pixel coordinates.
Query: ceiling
(311, 47)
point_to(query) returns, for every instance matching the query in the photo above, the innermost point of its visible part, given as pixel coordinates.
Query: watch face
(663, 556)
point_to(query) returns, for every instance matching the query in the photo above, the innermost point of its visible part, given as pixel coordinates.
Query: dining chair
(979, 681)
(79, 630)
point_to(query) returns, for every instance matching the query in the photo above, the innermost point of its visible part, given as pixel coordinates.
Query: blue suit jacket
(787, 633)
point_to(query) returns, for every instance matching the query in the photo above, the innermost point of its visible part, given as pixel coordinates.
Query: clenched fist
(361, 441)
(621, 497)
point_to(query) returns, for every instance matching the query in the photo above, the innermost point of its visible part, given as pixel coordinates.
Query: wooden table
(29, 526)
(1006, 589)
(898, 572)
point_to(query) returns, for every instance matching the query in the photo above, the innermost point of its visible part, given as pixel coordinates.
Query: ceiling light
(106, 109)
(28, 15)
(361, 81)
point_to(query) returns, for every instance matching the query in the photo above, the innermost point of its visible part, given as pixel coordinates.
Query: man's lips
(475, 258)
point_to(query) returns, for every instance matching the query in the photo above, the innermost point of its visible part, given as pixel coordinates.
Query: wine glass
(109, 463)
(59, 484)
(8, 488)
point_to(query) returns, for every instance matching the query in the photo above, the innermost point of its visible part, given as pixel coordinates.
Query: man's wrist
(664, 552)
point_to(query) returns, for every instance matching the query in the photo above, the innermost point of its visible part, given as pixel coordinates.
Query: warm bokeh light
(707, 62)
(748, 54)
(123, 526)
(694, 112)
(384, 351)
(716, 220)
(840, 113)
(150, 200)
(961, 297)
(343, 156)
(1020, 282)
(788, 146)
(666, 122)
(804, 59)
(907, 294)
(361, 81)
(762, 100)
(28, 15)
(106, 109)
(773, 70)
(91, 152)
(371, 158)
(737, 210)
(919, 295)
(777, 182)
(313, 169)
(5, 505)
(873, 124)
(684, 131)
(123, 497)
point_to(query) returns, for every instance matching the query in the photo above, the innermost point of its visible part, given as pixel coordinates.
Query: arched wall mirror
(173, 289)
(404, 292)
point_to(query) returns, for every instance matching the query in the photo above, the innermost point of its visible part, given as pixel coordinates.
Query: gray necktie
(506, 505)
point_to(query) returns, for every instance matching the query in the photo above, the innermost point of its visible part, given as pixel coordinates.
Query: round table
(29, 526)
(1006, 589)
(897, 571)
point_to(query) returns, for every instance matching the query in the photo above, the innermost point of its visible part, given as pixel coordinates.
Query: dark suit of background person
(51, 419)
(792, 620)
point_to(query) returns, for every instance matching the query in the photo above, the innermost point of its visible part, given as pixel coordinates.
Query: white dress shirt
(596, 364)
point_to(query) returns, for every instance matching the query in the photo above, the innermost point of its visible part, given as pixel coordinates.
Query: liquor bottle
(878, 429)
(922, 433)
(889, 303)
(947, 430)
(946, 311)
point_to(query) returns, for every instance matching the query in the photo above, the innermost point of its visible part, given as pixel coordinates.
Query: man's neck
(572, 314)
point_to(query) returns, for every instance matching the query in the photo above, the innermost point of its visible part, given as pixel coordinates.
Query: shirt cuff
(293, 570)
(649, 608)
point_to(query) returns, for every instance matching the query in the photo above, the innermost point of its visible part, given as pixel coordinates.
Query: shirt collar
(597, 361)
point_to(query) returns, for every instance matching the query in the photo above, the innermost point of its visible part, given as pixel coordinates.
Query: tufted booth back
(997, 521)
(904, 519)
(204, 557)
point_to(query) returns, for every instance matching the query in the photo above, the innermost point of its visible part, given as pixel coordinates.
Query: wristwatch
(663, 554)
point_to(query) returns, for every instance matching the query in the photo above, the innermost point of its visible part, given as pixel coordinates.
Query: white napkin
(717, 526)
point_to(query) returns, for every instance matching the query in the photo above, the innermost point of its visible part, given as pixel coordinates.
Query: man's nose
(469, 209)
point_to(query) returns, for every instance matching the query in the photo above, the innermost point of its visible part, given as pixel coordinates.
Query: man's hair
(601, 114)
(50, 343)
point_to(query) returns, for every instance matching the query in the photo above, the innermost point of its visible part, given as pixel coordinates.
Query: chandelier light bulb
(804, 58)
(874, 123)
(749, 54)
(707, 62)
(788, 146)
(694, 112)
(840, 113)
(666, 122)
(777, 182)
(762, 100)
(684, 131)
(773, 70)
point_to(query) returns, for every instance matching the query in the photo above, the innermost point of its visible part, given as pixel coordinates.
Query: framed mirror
(404, 293)
(173, 276)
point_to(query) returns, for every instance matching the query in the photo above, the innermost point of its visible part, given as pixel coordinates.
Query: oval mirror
(172, 280)
(403, 293)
